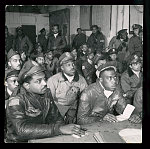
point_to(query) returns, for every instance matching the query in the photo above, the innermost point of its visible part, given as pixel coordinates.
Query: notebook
(108, 137)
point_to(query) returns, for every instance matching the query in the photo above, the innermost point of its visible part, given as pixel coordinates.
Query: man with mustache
(56, 41)
(132, 78)
(14, 61)
(66, 87)
(32, 113)
(101, 100)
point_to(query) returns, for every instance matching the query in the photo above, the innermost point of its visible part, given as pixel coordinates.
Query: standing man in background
(56, 41)
(135, 42)
(96, 39)
(22, 42)
(42, 40)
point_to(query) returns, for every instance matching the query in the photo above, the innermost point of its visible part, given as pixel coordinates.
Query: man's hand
(69, 129)
(135, 119)
(117, 94)
(110, 117)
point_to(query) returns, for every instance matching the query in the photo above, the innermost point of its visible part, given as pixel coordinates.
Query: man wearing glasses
(132, 78)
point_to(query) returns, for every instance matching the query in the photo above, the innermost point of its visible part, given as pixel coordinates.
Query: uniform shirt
(65, 93)
(130, 82)
(59, 86)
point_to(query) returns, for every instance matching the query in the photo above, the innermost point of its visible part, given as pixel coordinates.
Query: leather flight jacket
(94, 105)
(32, 116)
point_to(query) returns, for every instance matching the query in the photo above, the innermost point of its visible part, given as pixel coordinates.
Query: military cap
(65, 57)
(11, 73)
(134, 58)
(42, 30)
(136, 26)
(26, 67)
(122, 31)
(98, 57)
(11, 53)
(106, 66)
(34, 70)
(112, 51)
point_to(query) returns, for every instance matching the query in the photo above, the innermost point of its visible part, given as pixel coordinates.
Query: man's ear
(6, 84)
(100, 79)
(26, 85)
(62, 68)
(9, 64)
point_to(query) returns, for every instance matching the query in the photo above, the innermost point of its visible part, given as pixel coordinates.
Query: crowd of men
(49, 91)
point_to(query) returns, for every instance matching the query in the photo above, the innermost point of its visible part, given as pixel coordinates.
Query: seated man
(88, 68)
(102, 99)
(113, 56)
(132, 78)
(136, 117)
(11, 82)
(99, 59)
(77, 61)
(51, 62)
(14, 61)
(32, 113)
(10, 85)
(66, 87)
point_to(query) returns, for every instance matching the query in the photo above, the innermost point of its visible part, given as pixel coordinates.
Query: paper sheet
(126, 113)
(131, 135)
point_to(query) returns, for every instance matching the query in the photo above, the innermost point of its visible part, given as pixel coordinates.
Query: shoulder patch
(14, 102)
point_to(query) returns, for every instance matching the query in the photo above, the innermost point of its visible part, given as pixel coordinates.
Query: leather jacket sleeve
(121, 102)
(34, 127)
(84, 110)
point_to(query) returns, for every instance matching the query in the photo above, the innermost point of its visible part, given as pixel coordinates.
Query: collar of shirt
(107, 93)
(55, 35)
(137, 73)
(89, 61)
(9, 91)
(70, 78)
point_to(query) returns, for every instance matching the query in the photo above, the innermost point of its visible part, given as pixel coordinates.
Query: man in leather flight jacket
(32, 113)
(102, 99)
